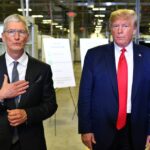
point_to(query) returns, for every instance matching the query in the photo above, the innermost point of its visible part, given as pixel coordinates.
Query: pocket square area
(38, 79)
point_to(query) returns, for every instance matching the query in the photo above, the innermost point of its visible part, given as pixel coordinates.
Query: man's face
(122, 31)
(15, 37)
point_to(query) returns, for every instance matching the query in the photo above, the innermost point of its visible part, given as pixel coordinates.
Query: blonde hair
(123, 13)
(15, 18)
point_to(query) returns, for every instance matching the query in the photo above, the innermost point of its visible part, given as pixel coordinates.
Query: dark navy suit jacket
(39, 102)
(98, 96)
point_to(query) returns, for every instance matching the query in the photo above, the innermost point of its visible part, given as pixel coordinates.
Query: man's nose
(16, 35)
(120, 29)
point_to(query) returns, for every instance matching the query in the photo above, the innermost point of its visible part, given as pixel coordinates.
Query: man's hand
(16, 117)
(88, 139)
(147, 143)
(10, 90)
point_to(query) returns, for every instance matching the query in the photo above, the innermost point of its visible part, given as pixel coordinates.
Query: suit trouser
(16, 146)
(122, 139)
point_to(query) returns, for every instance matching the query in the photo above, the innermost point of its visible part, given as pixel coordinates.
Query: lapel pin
(140, 55)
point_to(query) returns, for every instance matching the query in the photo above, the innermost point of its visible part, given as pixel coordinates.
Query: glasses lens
(13, 32)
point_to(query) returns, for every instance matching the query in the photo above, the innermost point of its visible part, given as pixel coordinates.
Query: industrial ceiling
(85, 19)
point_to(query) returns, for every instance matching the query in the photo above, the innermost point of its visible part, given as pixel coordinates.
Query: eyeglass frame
(12, 32)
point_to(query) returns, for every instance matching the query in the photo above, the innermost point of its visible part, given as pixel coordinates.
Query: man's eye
(22, 32)
(115, 26)
(125, 26)
(11, 31)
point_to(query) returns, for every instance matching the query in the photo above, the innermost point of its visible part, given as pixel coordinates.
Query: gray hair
(123, 13)
(15, 18)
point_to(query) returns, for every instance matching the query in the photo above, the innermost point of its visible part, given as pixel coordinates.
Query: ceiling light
(100, 20)
(58, 26)
(108, 3)
(90, 5)
(20, 9)
(102, 15)
(99, 9)
(37, 16)
(48, 21)
(147, 41)
(99, 15)
(98, 26)
(54, 23)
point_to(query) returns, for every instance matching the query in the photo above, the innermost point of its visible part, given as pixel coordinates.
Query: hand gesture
(10, 90)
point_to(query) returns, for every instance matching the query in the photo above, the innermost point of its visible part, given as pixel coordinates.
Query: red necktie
(122, 90)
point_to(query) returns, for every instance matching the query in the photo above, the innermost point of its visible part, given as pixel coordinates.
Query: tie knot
(123, 50)
(15, 63)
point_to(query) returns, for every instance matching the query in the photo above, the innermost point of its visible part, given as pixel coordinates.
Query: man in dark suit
(114, 94)
(21, 118)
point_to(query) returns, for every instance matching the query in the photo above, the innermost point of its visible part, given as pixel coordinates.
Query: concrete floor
(61, 130)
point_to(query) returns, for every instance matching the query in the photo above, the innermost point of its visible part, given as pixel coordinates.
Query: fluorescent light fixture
(90, 5)
(58, 26)
(147, 41)
(108, 3)
(98, 26)
(54, 23)
(102, 15)
(20, 9)
(100, 20)
(99, 9)
(48, 21)
(37, 16)
(96, 15)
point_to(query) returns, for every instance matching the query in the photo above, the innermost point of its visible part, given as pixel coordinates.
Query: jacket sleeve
(85, 94)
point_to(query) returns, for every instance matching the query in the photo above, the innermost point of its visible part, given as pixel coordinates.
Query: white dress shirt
(21, 67)
(129, 58)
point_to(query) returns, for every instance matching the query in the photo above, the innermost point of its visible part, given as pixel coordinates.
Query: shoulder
(141, 47)
(100, 51)
(144, 50)
(2, 57)
(101, 48)
(38, 63)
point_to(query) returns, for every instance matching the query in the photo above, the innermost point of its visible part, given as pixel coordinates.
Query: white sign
(86, 44)
(58, 55)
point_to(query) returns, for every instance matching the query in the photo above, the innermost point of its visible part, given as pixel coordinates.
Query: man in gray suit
(23, 118)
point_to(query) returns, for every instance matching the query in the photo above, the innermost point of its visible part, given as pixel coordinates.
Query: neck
(16, 55)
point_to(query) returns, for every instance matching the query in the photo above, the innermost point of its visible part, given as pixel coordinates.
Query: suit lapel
(137, 59)
(28, 76)
(110, 61)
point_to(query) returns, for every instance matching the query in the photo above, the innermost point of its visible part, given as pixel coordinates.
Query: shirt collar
(128, 48)
(22, 60)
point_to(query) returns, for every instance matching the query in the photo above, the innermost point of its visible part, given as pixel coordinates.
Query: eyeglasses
(12, 32)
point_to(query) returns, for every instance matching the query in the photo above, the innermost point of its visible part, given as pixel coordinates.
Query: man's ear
(3, 37)
(28, 38)
(134, 31)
